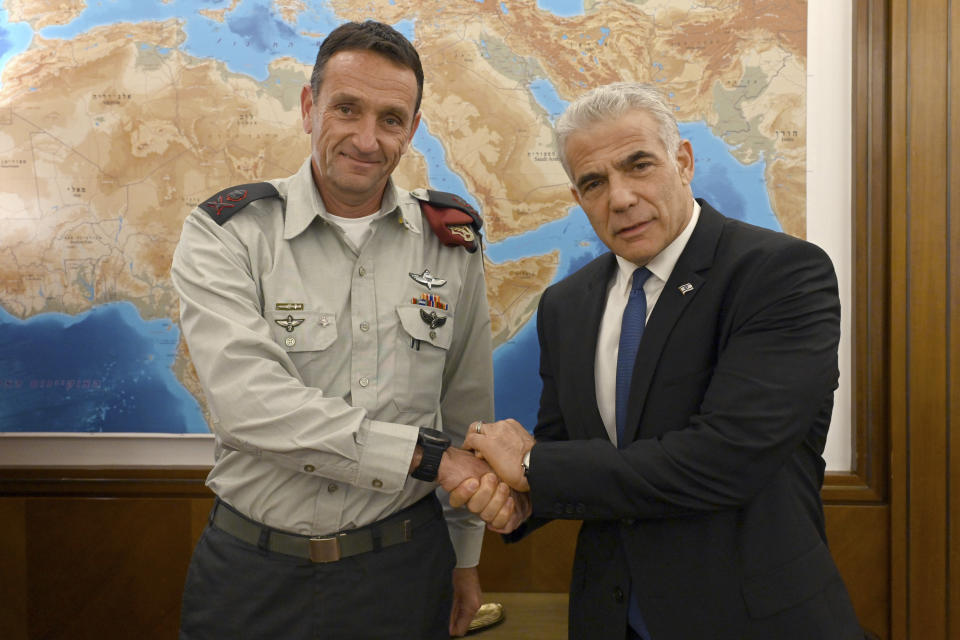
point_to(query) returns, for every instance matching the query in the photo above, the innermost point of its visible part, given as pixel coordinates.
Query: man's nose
(365, 137)
(622, 195)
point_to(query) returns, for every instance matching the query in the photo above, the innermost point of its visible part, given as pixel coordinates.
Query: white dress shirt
(608, 339)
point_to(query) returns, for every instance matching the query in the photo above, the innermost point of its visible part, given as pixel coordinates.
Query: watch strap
(432, 449)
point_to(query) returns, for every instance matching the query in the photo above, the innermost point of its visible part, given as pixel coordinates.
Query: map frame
(165, 451)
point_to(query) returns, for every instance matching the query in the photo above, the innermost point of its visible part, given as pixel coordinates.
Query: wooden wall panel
(199, 515)
(953, 392)
(114, 567)
(863, 558)
(924, 319)
(953, 294)
(899, 506)
(102, 568)
(541, 562)
(13, 568)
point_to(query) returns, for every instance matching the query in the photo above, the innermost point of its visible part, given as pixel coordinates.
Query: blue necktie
(631, 330)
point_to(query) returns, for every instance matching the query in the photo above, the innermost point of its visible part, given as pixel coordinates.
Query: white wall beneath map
(829, 219)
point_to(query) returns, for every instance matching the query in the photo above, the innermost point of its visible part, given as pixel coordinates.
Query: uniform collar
(304, 204)
(409, 214)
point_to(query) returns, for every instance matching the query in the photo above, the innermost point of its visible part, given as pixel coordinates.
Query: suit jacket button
(569, 510)
(627, 521)
(618, 595)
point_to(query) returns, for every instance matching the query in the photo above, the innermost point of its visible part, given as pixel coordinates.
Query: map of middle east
(118, 116)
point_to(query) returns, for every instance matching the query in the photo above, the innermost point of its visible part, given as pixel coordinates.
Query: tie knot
(639, 277)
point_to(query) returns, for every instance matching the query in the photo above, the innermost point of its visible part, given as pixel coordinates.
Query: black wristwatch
(433, 443)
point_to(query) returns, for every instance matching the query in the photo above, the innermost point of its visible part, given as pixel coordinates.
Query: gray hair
(612, 101)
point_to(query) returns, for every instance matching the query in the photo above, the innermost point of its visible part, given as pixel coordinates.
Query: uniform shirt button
(433, 335)
(331, 488)
(362, 271)
(364, 381)
(309, 468)
(364, 326)
(377, 483)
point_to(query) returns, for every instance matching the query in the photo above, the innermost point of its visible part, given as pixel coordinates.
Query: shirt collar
(304, 204)
(662, 264)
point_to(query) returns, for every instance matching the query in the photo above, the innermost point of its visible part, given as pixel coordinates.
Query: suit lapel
(584, 315)
(688, 276)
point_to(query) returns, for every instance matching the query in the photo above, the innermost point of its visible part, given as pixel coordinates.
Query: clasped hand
(490, 481)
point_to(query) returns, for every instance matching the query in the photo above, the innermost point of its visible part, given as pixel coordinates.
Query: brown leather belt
(395, 529)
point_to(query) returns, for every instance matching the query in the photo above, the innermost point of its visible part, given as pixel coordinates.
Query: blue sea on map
(108, 369)
(249, 38)
(565, 8)
(14, 38)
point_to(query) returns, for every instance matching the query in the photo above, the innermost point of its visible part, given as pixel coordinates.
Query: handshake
(487, 475)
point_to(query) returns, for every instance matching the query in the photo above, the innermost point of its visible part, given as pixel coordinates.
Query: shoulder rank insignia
(229, 201)
(452, 219)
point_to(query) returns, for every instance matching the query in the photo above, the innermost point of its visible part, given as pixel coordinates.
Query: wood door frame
(867, 481)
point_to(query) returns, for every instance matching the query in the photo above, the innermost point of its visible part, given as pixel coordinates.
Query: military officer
(339, 327)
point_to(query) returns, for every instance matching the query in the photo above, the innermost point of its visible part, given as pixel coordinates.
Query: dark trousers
(235, 591)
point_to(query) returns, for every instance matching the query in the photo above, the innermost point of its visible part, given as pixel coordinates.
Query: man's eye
(345, 109)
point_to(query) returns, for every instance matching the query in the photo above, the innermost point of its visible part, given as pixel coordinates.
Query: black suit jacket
(713, 511)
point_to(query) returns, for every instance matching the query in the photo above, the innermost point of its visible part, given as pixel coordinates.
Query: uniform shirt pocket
(424, 336)
(298, 331)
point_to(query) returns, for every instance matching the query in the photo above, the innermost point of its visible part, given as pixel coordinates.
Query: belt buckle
(325, 549)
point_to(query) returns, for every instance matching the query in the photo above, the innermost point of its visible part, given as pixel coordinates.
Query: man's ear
(306, 103)
(576, 195)
(685, 161)
(413, 130)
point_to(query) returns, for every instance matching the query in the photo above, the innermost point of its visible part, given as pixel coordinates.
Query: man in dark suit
(693, 456)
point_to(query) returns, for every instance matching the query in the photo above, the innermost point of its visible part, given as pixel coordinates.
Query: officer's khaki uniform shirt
(318, 365)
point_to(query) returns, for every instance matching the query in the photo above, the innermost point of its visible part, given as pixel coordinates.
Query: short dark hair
(369, 35)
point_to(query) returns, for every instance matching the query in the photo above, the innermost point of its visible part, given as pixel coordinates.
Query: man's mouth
(634, 230)
(359, 160)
